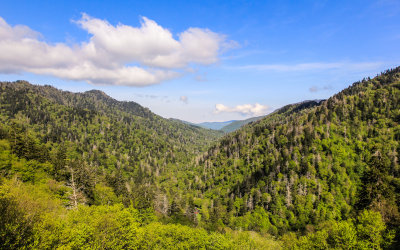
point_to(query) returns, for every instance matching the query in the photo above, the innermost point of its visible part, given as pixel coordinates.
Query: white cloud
(111, 50)
(184, 99)
(245, 109)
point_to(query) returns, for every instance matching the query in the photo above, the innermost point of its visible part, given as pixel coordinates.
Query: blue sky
(200, 61)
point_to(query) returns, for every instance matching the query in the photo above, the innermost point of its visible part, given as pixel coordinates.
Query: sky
(200, 60)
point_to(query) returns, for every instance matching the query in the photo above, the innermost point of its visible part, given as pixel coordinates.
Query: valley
(83, 170)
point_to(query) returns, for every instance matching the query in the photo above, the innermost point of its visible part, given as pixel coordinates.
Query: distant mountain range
(83, 169)
(215, 125)
(233, 125)
(227, 126)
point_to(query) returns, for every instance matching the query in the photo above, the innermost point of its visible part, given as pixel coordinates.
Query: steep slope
(121, 140)
(83, 171)
(99, 102)
(317, 174)
(304, 165)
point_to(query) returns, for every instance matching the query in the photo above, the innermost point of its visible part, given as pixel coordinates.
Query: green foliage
(15, 227)
(94, 138)
(306, 164)
(371, 230)
(100, 227)
(86, 171)
(104, 195)
(368, 232)
(22, 206)
(33, 217)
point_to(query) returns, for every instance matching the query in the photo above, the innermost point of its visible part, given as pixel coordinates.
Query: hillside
(120, 143)
(301, 168)
(82, 170)
(22, 98)
(235, 125)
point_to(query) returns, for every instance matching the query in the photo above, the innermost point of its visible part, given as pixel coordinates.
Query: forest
(85, 171)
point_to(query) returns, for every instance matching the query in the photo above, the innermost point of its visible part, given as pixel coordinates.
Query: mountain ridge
(292, 158)
(311, 174)
(215, 125)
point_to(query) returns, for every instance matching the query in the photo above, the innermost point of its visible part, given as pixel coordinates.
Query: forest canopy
(82, 170)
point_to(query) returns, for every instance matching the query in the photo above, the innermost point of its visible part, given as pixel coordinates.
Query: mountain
(215, 125)
(228, 126)
(235, 125)
(310, 163)
(25, 99)
(83, 170)
(121, 142)
(88, 163)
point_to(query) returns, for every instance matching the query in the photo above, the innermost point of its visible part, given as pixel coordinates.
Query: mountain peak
(97, 93)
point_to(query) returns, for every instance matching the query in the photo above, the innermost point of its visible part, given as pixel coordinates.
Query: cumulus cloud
(184, 99)
(107, 57)
(245, 109)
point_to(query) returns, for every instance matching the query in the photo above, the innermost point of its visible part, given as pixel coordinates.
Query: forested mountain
(302, 166)
(54, 113)
(82, 170)
(22, 97)
(124, 143)
(235, 125)
(231, 126)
